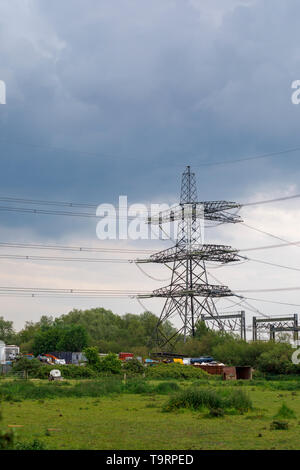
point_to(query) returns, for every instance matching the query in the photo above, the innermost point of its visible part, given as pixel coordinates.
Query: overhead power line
(274, 264)
(118, 157)
(256, 157)
(269, 234)
(276, 289)
(272, 301)
(268, 201)
(47, 202)
(62, 258)
(44, 290)
(267, 247)
(61, 213)
(70, 296)
(73, 248)
(92, 205)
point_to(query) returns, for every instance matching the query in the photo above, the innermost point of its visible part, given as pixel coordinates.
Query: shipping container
(123, 356)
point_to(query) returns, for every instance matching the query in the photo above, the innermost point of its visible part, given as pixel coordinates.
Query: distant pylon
(189, 295)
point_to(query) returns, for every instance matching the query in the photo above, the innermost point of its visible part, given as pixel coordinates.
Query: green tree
(110, 363)
(7, 332)
(92, 356)
(28, 366)
(60, 337)
(46, 340)
(73, 338)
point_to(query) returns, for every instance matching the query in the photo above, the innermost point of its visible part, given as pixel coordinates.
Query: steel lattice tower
(189, 295)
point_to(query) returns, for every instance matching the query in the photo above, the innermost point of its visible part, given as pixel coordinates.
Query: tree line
(111, 333)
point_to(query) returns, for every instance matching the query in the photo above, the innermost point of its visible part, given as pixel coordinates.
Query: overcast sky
(109, 98)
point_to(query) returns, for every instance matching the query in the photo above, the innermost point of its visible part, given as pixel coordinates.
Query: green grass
(136, 421)
(18, 390)
(199, 398)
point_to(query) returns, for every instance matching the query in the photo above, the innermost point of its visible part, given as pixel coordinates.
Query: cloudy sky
(116, 98)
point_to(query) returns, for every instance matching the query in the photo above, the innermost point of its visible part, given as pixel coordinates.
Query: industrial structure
(271, 325)
(231, 322)
(190, 297)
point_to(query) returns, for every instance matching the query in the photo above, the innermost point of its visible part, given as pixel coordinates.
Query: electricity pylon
(189, 294)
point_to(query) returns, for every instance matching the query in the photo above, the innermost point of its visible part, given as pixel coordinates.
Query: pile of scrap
(208, 364)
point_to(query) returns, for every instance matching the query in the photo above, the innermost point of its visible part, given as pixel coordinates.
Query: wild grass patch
(18, 390)
(198, 399)
(285, 412)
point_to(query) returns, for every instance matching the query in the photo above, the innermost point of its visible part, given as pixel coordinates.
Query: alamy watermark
(296, 354)
(296, 94)
(154, 222)
(2, 92)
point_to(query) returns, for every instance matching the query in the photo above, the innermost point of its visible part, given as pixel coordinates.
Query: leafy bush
(28, 366)
(175, 371)
(110, 363)
(69, 371)
(279, 425)
(92, 356)
(197, 399)
(30, 445)
(133, 367)
(277, 361)
(285, 412)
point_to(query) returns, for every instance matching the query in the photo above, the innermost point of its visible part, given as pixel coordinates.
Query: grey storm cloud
(109, 98)
(130, 91)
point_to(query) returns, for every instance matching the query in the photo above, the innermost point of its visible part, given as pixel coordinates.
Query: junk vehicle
(123, 356)
(202, 359)
(55, 360)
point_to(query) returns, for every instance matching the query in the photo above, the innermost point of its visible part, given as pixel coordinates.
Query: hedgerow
(175, 371)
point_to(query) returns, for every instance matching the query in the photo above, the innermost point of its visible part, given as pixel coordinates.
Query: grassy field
(136, 421)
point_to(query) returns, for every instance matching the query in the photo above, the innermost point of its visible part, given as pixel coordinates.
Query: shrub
(279, 425)
(276, 361)
(175, 371)
(110, 363)
(133, 367)
(30, 445)
(92, 356)
(28, 366)
(216, 413)
(70, 371)
(285, 412)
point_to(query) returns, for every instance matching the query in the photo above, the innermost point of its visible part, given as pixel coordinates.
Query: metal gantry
(231, 322)
(271, 325)
(189, 295)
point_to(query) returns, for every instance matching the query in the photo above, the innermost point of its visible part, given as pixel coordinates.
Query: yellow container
(179, 361)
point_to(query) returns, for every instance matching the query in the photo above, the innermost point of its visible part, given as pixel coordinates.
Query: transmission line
(73, 248)
(62, 258)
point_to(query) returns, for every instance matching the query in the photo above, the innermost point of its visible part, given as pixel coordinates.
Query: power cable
(73, 248)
